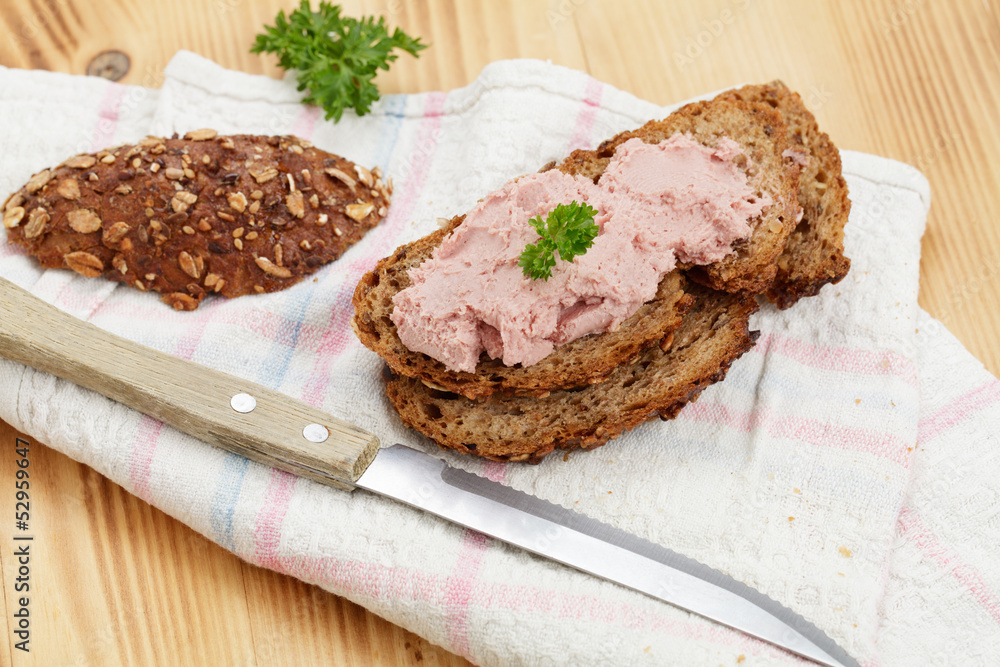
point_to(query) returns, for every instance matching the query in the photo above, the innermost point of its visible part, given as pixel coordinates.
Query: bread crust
(202, 214)
(814, 251)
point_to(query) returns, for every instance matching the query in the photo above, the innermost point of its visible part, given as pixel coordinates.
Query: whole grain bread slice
(715, 332)
(584, 361)
(814, 252)
(760, 132)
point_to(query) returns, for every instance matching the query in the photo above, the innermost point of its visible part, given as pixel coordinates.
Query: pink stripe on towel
(305, 123)
(958, 410)
(141, 458)
(966, 575)
(460, 588)
(267, 531)
(585, 120)
(834, 358)
(813, 431)
(107, 117)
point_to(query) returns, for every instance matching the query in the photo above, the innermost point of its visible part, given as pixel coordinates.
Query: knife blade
(276, 430)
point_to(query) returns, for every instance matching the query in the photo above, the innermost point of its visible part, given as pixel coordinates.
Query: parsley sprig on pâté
(337, 57)
(569, 230)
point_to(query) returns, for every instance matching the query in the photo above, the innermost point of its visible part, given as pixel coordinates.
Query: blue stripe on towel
(227, 492)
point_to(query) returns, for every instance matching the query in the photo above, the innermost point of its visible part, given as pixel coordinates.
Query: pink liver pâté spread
(656, 203)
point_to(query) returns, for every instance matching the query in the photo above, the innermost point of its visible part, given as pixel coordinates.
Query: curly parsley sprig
(337, 57)
(569, 230)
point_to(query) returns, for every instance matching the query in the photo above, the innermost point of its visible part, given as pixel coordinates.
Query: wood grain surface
(118, 582)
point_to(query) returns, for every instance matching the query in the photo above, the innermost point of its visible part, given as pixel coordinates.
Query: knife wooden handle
(192, 398)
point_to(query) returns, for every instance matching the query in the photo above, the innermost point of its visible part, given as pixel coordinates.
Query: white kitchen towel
(792, 475)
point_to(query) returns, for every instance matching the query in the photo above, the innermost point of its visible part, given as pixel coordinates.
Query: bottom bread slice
(714, 333)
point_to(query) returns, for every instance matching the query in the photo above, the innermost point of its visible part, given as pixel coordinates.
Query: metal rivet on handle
(315, 433)
(243, 403)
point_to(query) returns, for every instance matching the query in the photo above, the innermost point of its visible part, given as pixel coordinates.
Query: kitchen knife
(276, 430)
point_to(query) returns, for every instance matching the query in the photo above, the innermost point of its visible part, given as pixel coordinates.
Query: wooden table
(118, 582)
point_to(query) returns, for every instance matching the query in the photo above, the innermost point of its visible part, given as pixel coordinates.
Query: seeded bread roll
(204, 214)
(714, 333)
(814, 252)
(583, 361)
(761, 133)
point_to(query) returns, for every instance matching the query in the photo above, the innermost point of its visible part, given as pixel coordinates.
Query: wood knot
(111, 65)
